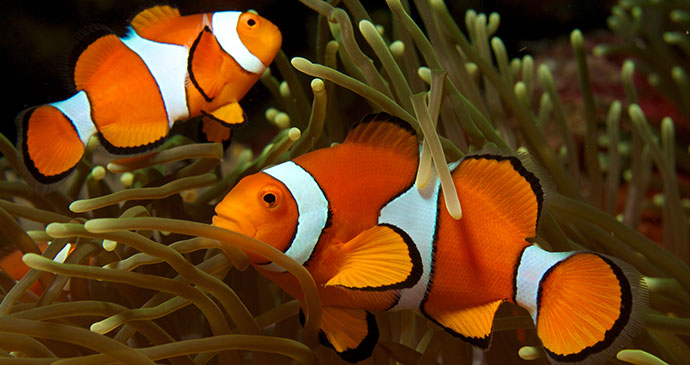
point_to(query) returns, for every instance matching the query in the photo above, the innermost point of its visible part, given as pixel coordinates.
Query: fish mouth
(238, 226)
(234, 225)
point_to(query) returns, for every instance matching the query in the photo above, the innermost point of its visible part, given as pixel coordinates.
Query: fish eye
(269, 197)
(249, 21)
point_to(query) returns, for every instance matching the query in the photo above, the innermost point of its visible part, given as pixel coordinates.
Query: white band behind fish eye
(312, 210)
(224, 25)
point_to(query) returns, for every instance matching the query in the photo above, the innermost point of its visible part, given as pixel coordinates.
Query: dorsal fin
(95, 51)
(385, 131)
(507, 188)
(149, 19)
(87, 36)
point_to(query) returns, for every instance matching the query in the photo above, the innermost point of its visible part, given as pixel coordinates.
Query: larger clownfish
(131, 90)
(352, 215)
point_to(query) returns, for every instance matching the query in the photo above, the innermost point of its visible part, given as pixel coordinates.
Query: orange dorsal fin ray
(473, 325)
(590, 306)
(352, 333)
(94, 53)
(505, 187)
(378, 259)
(206, 59)
(148, 20)
(385, 131)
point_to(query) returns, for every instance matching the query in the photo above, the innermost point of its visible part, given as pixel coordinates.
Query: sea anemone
(151, 281)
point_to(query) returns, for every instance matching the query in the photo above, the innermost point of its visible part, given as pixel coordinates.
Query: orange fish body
(131, 90)
(352, 215)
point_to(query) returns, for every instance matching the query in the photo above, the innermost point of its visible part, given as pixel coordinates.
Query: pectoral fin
(352, 333)
(381, 258)
(205, 59)
(473, 325)
(229, 115)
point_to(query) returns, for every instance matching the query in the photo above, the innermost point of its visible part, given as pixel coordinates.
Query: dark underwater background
(37, 38)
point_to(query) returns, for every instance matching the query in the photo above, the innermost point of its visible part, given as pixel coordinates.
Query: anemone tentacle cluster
(149, 280)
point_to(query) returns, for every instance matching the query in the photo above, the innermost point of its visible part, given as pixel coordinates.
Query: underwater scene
(343, 181)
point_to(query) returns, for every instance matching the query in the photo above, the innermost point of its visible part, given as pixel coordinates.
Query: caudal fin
(50, 144)
(586, 306)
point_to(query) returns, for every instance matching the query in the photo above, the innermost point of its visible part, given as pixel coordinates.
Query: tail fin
(586, 306)
(50, 143)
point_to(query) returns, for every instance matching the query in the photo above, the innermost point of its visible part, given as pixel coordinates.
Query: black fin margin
(203, 138)
(384, 117)
(130, 150)
(516, 267)
(22, 121)
(612, 333)
(481, 342)
(86, 36)
(415, 257)
(365, 348)
(190, 59)
(226, 124)
(530, 177)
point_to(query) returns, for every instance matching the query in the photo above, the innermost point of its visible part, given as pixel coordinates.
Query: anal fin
(352, 333)
(213, 131)
(380, 258)
(473, 325)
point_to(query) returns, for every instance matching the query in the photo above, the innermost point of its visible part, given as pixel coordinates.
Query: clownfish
(131, 90)
(11, 262)
(353, 216)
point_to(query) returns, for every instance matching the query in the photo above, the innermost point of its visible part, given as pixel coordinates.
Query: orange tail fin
(50, 143)
(586, 306)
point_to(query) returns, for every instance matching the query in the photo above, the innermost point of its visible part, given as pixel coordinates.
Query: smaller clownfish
(352, 215)
(131, 90)
(11, 263)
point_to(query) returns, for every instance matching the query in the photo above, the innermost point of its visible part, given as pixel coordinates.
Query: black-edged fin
(589, 307)
(204, 62)
(87, 36)
(49, 143)
(210, 130)
(381, 258)
(229, 115)
(352, 333)
(116, 150)
(385, 131)
(505, 186)
(473, 325)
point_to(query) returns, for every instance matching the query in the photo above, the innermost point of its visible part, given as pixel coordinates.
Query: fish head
(261, 37)
(251, 40)
(261, 207)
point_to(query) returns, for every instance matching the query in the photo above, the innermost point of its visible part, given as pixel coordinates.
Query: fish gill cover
(149, 280)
